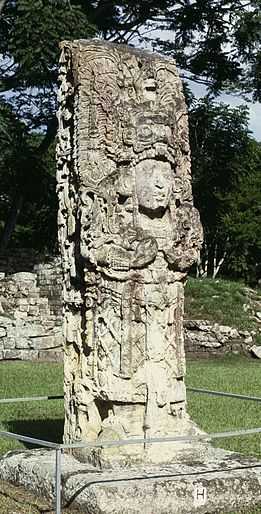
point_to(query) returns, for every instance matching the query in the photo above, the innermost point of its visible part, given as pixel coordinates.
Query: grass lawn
(45, 419)
(216, 414)
(220, 301)
(42, 419)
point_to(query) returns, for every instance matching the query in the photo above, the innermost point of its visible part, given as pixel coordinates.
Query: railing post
(58, 491)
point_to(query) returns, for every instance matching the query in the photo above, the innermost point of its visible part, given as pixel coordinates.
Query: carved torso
(128, 233)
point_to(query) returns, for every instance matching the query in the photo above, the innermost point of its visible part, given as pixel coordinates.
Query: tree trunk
(202, 263)
(218, 263)
(11, 222)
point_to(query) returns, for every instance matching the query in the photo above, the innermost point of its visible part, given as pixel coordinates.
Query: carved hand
(145, 252)
(181, 258)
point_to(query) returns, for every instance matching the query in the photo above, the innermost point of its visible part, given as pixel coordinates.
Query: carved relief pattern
(128, 234)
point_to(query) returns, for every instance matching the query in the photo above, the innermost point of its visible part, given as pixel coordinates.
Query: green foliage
(220, 301)
(214, 41)
(35, 50)
(242, 220)
(28, 197)
(226, 184)
(37, 223)
(30, 32)
(217, 42)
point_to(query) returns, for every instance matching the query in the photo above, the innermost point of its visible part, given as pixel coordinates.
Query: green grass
(45, 419)
(220, 301)
(216, 414)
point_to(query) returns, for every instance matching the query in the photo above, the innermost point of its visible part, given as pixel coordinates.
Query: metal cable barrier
(31, 399)
(191, 389)
(226, 395)
(59, 448)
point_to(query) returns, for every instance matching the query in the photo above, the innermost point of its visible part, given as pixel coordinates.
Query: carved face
(153, 184)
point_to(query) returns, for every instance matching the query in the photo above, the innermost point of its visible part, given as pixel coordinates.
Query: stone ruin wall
(31, 295)
(30, 308)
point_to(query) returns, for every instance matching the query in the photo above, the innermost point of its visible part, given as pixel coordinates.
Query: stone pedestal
(221, 482)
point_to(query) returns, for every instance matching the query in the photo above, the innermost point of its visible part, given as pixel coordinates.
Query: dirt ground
(16, 500)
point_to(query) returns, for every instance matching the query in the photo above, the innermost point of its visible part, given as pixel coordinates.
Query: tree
(242, 220)
(213, 41)
(219, 140)
(30, 31)
(27, 184)
(216, 42)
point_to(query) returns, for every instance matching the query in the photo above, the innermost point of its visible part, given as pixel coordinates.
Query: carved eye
(145, 132)
(151, 88)
(162, 131)
(150, 85)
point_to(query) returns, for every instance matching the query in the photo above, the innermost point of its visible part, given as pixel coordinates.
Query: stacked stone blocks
(31, 314)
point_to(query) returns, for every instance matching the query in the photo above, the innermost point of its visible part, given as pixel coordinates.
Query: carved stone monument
(128, 234)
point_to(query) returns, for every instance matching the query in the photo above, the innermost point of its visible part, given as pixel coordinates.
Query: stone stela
(128, 235)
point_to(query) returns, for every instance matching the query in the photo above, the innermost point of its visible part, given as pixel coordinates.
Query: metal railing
(58, 456)
(222, 393)
(59, 448)
(191, 389)
(31, 399)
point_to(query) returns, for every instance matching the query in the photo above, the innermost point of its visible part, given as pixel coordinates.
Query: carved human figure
(138, 315)
(129, 233)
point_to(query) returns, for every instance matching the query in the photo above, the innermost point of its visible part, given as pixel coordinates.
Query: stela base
(222, 482)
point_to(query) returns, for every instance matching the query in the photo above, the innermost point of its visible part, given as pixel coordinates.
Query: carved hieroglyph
(128, 234)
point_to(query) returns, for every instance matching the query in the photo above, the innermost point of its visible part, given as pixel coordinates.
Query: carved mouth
(162, 196)
(161, 152)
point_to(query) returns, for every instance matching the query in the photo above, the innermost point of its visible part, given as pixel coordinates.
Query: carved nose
(159, 186)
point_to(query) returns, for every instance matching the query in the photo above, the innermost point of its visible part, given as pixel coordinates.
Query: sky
(234, 101)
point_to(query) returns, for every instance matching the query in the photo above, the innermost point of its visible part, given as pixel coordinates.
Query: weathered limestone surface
(31, 314)
(203, 338)
(256, 351)
(223, 482)
(128, 234)
(41, 293)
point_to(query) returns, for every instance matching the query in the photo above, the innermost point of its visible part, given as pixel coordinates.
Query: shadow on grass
(47, 430)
